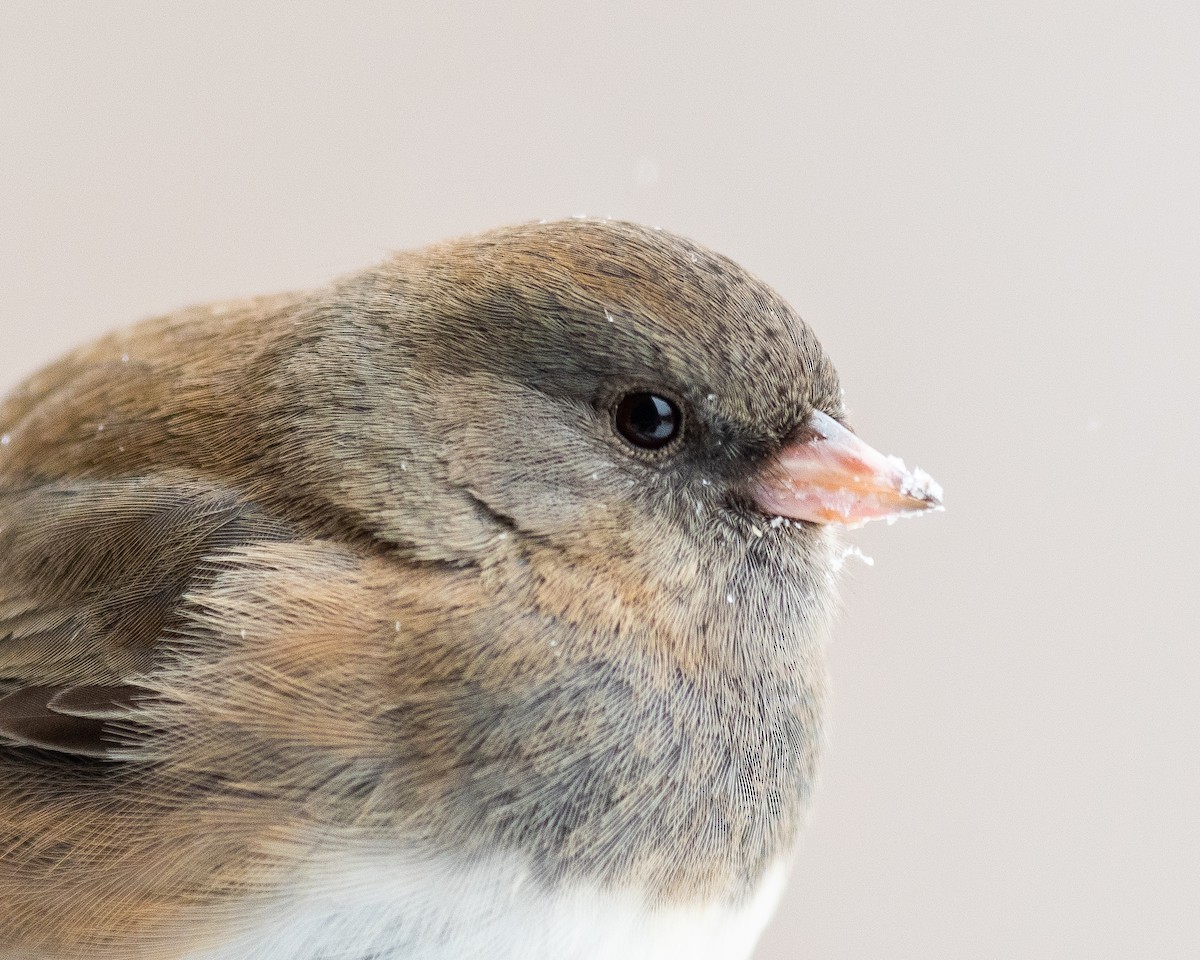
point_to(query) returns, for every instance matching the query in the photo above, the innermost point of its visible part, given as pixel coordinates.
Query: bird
(471, 606)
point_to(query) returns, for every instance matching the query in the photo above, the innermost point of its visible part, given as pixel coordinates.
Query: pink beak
(831, 476)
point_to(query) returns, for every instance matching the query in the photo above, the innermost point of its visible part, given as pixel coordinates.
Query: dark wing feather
(91, 577)
(29, 718)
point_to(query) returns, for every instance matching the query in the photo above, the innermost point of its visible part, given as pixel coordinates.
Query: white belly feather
(400, 907)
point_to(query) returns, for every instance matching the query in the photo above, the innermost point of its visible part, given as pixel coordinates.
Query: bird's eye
(647, 420)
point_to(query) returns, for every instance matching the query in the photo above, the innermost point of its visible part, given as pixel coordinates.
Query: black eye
(647, 420)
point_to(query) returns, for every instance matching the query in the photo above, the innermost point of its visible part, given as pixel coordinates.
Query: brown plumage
(370, 568)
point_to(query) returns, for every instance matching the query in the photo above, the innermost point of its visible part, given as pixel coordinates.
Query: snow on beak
(829, 475)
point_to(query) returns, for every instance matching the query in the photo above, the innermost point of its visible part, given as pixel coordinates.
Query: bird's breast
(407, 905)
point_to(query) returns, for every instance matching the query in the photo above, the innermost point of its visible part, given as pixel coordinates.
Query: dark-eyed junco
(469, 607)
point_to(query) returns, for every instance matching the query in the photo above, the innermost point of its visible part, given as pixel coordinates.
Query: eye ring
(647, 420)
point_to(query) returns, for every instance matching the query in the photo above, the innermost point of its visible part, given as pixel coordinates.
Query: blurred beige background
(989, 210)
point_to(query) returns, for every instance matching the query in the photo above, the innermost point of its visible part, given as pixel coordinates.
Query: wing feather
(91, 578)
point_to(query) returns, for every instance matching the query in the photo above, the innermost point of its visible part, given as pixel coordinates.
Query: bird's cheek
(540, 490)
(831, 476)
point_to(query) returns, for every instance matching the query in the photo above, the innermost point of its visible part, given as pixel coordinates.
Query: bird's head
(598, 388)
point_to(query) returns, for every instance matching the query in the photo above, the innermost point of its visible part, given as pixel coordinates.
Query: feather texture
(371, 562)
(91, 578)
